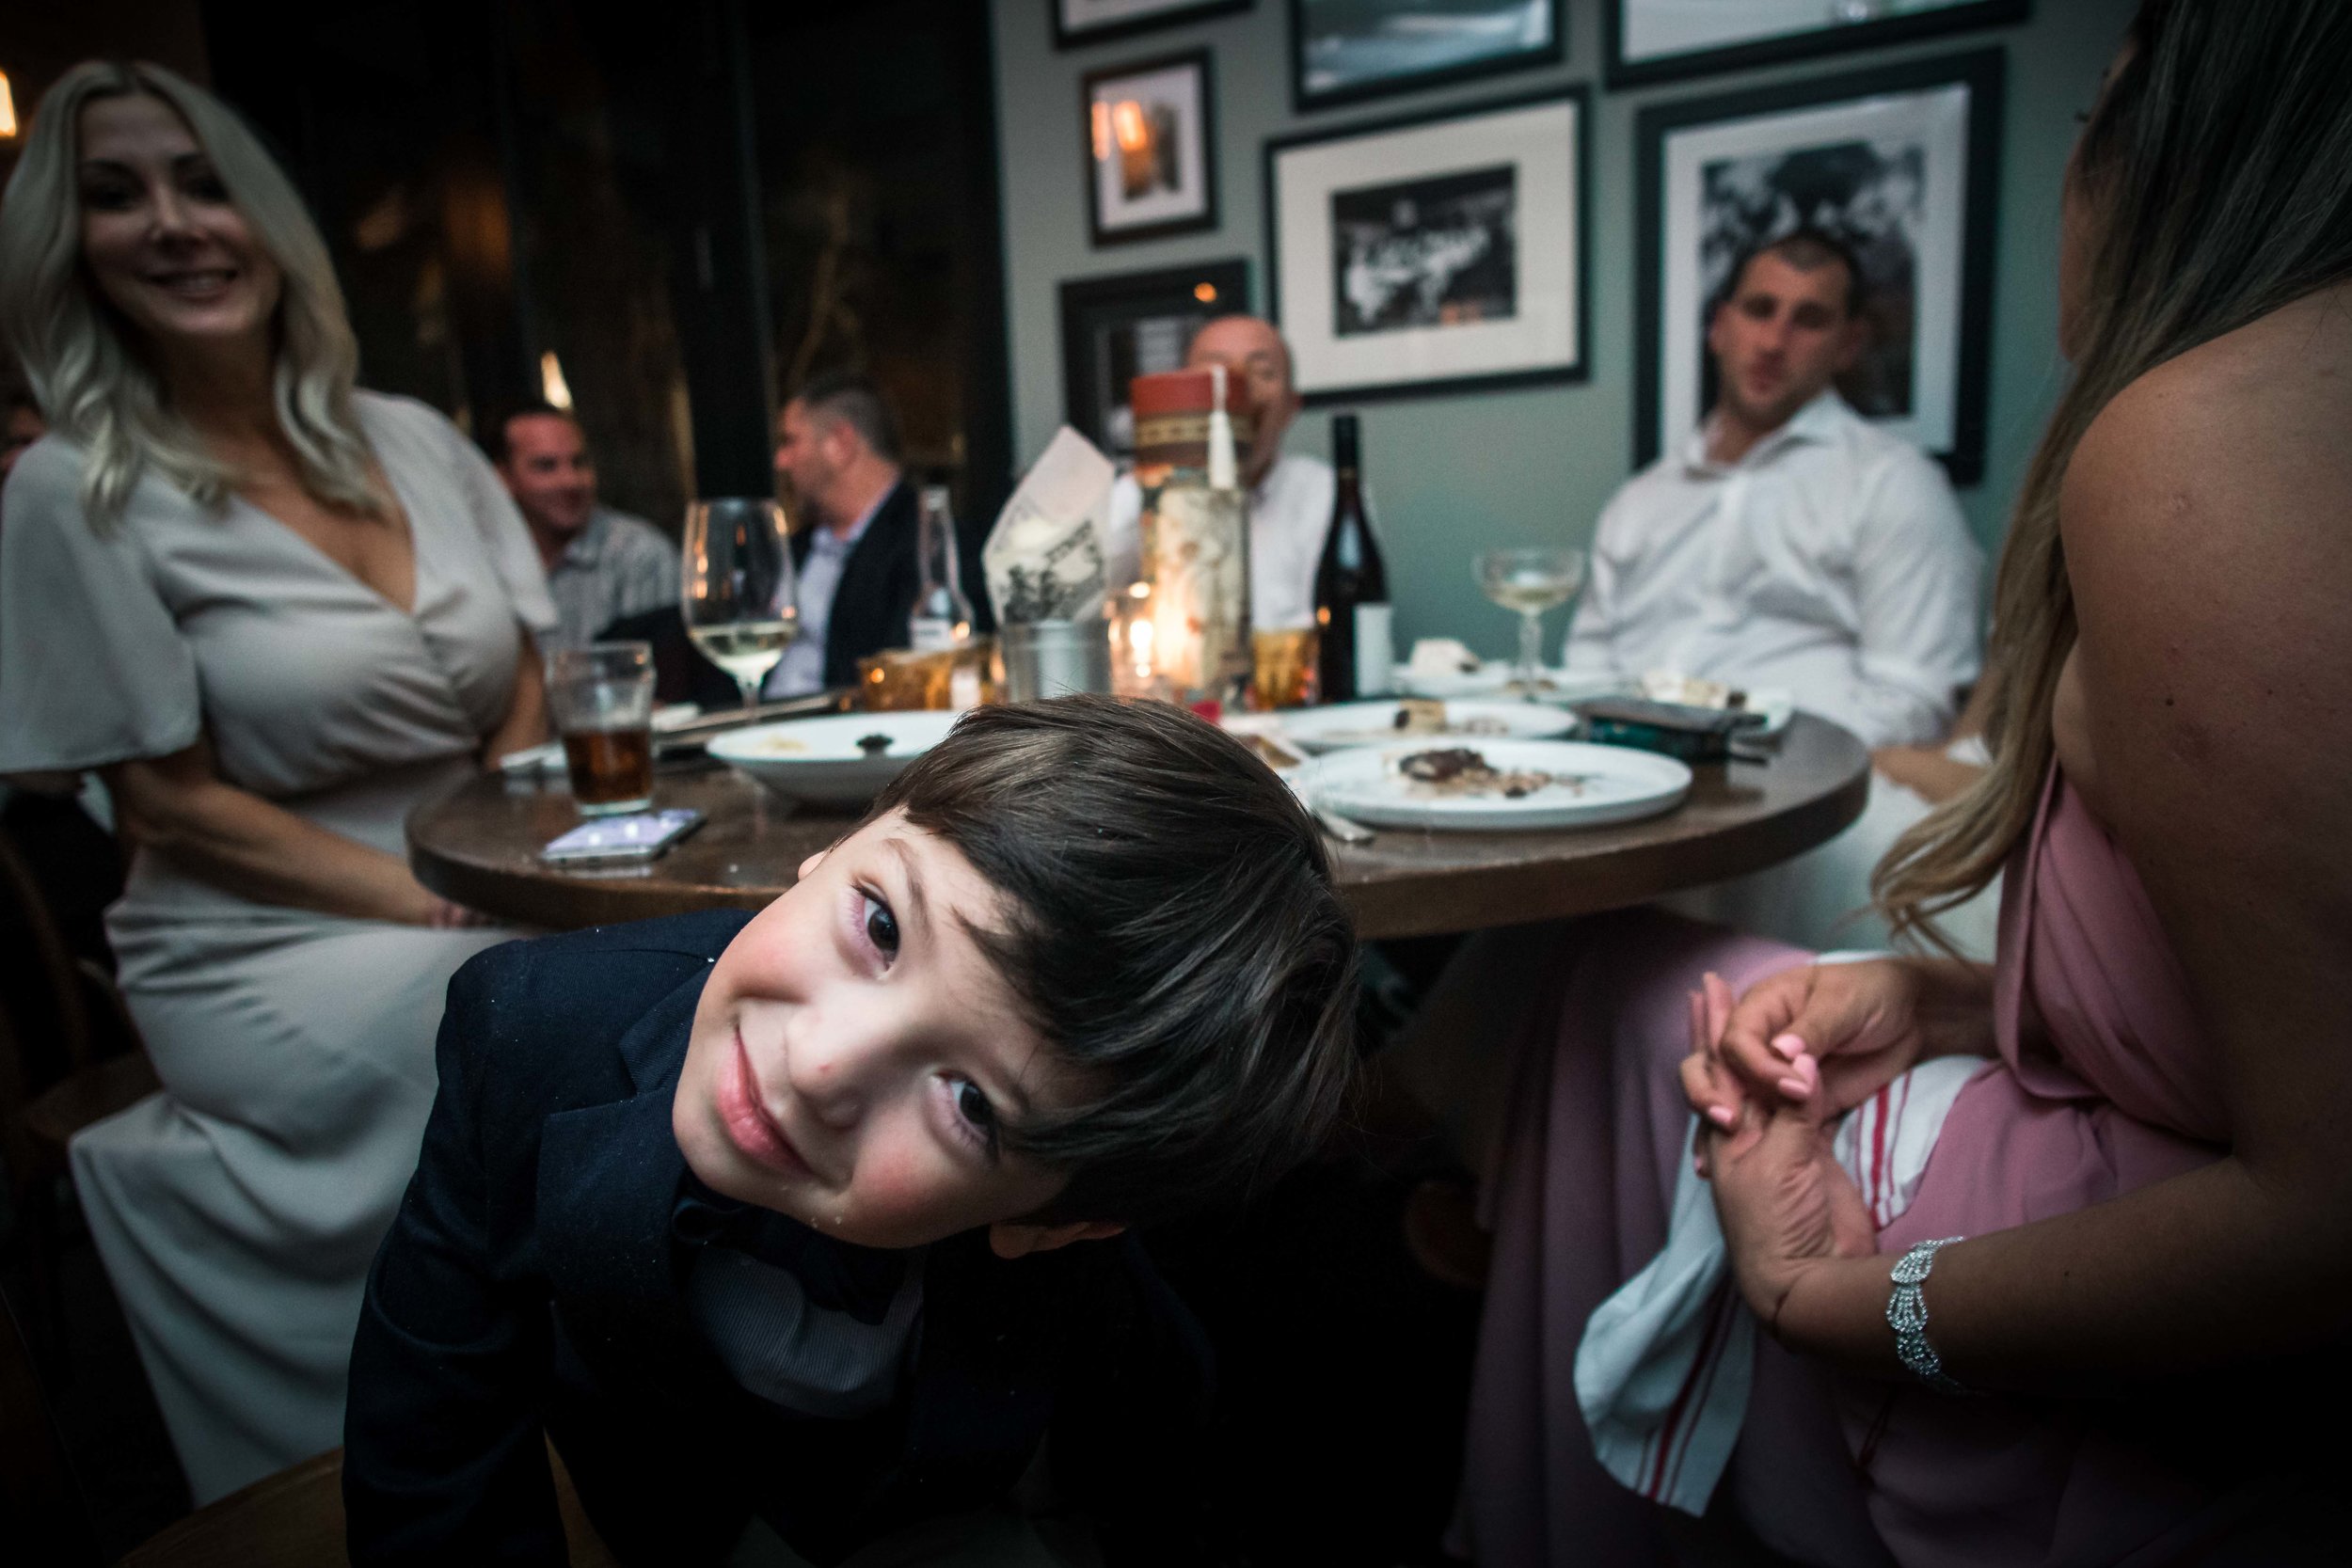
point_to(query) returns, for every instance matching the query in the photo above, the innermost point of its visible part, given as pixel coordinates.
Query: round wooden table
(479, 846)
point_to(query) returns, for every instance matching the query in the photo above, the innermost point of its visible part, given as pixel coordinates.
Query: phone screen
(610, 839)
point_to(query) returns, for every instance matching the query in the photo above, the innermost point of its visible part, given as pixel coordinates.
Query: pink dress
(2104, 1084)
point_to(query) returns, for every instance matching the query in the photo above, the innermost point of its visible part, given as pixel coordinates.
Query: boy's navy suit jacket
(531, 1282)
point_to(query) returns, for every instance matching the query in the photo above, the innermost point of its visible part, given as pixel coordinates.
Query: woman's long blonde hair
(2218, 166)
(96, 384)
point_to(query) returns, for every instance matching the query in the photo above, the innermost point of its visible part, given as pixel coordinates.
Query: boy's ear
(1011, 1239)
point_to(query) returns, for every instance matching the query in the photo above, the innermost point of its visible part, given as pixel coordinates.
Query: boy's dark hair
(1804, 248)
(856, 402)
(1174, 932)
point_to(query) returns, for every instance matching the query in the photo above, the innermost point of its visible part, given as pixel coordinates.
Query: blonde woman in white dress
(273, 614)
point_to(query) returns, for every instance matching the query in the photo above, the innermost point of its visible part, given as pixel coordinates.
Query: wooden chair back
(295, 1519)
(57, 1004)
(42, 1517)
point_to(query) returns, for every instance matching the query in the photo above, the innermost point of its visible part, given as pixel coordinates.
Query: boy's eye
(881, 926)
(975, 1114)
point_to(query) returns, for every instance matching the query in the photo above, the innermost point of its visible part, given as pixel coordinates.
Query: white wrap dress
(237, 1211)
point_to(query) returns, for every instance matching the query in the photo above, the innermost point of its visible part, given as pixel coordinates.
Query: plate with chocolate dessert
(1489, 785)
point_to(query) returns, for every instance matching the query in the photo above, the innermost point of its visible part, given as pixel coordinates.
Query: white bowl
(819, 761)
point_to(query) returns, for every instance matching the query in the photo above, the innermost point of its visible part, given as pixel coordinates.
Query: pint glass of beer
(601, 697)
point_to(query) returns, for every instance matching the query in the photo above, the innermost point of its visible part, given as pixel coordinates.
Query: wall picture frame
(1348, 51)
(1900, 162)
(1660, 40)
(1077, 22)
(1116, 328)
(1442, 252)
(1148, 132)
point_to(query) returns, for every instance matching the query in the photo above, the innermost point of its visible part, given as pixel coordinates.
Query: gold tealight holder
(898, 680)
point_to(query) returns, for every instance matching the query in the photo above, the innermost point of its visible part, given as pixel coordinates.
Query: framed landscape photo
(1654, 40)
(1114, 330)
(1078, 21)
(1901, 163)
(1150, 149)
(1345, 50)
(1446, 252)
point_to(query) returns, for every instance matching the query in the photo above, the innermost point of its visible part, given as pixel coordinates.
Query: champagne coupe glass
(1531, 581)
(738, 587)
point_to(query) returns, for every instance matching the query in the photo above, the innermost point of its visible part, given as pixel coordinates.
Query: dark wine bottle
(1355, 655)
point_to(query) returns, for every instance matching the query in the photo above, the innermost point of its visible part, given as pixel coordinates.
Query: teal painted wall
(1454, 475)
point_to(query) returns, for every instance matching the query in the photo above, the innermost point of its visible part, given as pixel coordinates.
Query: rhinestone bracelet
(1907, 1315)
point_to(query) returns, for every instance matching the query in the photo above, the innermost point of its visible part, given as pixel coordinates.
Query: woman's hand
(1830, 1036)
(1785, 1203)
(443, 916)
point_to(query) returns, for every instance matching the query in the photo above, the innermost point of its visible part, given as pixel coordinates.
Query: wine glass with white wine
(1531, 581)
(739, 592)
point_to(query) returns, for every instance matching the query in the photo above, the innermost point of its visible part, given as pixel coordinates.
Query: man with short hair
(837, 450)
(1290, 494)
(603, 565)
(1788, 543)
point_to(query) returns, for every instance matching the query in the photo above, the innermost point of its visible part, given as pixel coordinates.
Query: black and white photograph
(1150, 159)
(1426, 252)
(1083, 21)
(1897, 165)
(1655, 40)
(1345, 50)
(1870, 195)
(1114, 330)
(1444, 252)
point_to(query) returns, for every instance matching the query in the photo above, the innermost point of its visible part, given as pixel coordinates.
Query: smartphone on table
(621, 840)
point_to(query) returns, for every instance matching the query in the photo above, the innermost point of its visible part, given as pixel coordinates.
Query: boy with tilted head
(775, 1215)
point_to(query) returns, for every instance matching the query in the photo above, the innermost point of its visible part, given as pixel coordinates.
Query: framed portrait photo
(1654, 40)
(1901, 164)
(1345, 50)
(1150, 149)
(1114, 330)
(1079, 21)
(1447, 252)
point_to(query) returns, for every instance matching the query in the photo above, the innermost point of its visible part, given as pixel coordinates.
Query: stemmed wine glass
(738, 588)
(1531, 581)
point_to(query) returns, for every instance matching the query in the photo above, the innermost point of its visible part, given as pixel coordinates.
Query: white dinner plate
(1493, 680)
(1591, 786)
(819, 761)
(1775, 705)
(1316, 730)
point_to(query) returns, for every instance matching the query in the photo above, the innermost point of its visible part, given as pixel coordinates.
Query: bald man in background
(1290, 494)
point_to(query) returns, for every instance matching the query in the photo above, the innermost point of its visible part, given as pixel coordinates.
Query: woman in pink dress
(2149, 1304)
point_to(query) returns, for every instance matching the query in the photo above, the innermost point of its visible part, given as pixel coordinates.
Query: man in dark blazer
(838, 447)
(536, 1282)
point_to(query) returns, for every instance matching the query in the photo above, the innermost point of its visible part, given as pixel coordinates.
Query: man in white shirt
(838, 447)
(1788, 543)
(1290, 495)
(603, 565)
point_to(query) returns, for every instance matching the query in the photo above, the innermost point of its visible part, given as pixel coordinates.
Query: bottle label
(1376, 651)
(930, 635)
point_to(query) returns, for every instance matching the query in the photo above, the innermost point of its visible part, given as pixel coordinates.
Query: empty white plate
(1315, 730)
(840, 760)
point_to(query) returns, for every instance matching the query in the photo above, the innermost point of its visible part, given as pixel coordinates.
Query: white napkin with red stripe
(1663, 1370)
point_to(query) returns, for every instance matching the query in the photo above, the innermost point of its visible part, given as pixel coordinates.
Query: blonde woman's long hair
(2218, 166)
(95, 382)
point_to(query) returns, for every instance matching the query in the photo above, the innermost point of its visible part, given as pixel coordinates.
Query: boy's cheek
(915, 1198)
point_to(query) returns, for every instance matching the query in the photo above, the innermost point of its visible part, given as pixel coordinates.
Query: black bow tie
(838, 1276)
